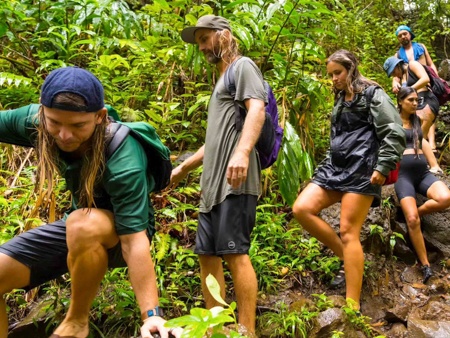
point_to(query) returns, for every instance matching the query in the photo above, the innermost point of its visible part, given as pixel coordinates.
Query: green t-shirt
(124, 188)
(222, 137)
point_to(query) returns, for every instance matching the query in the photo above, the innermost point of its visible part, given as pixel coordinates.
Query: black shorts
(413, 177)
(44, 250)
(428, 98)
(227, 227)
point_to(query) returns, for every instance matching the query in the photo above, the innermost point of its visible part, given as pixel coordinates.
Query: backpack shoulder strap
(158, 155)
(229, 80)
(119, 132)
(369, 92)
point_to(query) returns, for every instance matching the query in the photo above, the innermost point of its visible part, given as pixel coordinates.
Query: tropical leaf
(294, 165)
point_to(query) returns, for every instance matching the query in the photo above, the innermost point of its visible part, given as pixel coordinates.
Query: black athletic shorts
(413, 177)
(44, 250)
(227, 227)
(428, 98)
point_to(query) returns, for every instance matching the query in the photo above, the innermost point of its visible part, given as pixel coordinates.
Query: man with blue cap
(111, 221)
(413, 51)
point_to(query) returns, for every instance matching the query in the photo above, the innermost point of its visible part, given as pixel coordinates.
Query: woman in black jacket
(366, 144)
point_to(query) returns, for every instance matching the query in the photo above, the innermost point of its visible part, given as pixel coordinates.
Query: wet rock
(374, 307)
(398, 330)
(419, 328)
(410, 291)
(338, 301)
(411, 275)
(444, 69)
(300, 303)
(330, 320)
(34, 324)
(439, 286)
(435, 311)
(435, 227)
(399, 313)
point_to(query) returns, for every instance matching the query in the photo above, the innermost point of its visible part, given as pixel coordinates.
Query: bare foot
(72, 329)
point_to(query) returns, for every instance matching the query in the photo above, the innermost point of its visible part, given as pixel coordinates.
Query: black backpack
(158, 155)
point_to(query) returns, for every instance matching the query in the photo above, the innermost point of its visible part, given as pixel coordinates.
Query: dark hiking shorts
(227, 227)
(44, 251)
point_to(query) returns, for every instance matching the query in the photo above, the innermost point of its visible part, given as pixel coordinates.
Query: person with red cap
(111, 221)
(230, 181)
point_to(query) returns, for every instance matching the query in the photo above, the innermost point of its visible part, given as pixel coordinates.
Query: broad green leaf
(294, 165)
(214, 289)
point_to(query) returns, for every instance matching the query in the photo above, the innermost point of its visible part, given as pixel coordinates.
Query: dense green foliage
(149, 74)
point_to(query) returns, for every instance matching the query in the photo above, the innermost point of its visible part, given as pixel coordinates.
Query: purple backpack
(269, 142)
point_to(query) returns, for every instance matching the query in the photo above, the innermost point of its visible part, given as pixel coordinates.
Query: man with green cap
(230, 180)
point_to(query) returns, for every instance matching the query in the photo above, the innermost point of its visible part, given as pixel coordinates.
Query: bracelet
(151, 313)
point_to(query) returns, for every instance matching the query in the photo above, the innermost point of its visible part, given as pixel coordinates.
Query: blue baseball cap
(390, 64)
(404, 28)
(76, 81)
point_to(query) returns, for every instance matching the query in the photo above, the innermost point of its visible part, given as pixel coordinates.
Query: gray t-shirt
(222, 137)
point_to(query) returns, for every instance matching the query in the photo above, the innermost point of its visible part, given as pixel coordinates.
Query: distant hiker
(230, 181)
(413, 51)
(111, 222)
(366, 142)
(413, 75)
(414, 177)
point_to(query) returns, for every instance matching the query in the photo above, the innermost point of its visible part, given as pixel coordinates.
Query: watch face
(155, 312)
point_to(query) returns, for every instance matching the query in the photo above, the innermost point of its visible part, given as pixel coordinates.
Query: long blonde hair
(228, 44)
(49, 159)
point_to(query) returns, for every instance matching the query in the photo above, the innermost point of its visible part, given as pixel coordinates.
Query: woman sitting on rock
(414, 177)
(367, 141)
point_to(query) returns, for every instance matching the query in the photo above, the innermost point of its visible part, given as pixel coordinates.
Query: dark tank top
(412, 78)
(410, 138)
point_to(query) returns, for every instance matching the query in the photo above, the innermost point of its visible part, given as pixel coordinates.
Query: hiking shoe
(339, 279)
(427, 273)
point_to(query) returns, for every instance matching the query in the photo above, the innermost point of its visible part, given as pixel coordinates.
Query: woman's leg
(427, 117)
(439, 199)
(409, 208)
(432, 136)
(353, 213)
(306, 208)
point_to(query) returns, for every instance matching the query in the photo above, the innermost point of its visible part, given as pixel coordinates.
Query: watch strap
(157, 311)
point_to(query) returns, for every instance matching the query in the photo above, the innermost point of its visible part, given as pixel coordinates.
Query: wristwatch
(153, 312)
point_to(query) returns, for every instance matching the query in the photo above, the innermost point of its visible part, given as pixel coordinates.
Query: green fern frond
(13, 80)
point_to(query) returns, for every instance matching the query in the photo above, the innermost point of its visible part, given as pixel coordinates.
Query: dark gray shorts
(227, 227)
(428, 98)
(44, 251)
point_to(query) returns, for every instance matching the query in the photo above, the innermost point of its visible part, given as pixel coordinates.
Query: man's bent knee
(88, 225)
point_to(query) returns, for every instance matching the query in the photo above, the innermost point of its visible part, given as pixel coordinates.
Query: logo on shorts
(231, 245)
